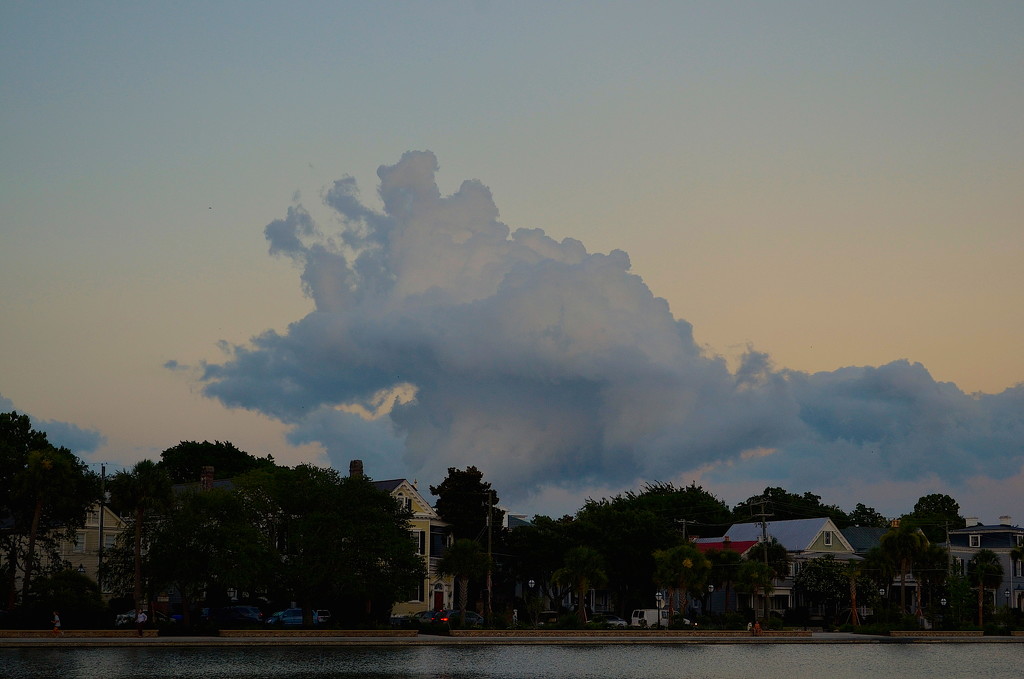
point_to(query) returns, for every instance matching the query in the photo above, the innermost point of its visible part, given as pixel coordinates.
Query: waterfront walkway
(10, 639)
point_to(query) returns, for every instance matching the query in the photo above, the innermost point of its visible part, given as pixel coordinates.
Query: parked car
(289, 617)
(292, 617)
(611, 620)
(234, 615)
(127, 619)
(452, 616)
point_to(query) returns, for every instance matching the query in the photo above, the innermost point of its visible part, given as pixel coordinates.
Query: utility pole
(764, 544)
(103, 504)
(490, 502)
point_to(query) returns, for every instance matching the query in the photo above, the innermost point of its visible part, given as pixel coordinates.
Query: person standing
(140, 621)
(57, 631)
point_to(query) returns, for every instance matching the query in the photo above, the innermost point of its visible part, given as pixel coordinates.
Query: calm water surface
(783, 661)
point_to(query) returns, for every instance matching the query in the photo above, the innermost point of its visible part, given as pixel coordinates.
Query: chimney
(1005, 520)
(206, 478)
(355, 468)
(972, 521)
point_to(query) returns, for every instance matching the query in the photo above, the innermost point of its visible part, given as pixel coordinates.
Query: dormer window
(975, 540)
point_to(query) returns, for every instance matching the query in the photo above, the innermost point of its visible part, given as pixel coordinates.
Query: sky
(580, 245)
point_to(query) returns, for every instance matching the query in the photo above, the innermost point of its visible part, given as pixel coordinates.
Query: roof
(982, 528)
(796, 535)
(863, 538)
(388, 485)
(721, 544)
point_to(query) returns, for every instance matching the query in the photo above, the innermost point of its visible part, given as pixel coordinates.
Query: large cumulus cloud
(441, 338)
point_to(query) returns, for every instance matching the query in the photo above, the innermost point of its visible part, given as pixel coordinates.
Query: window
(1020, 539)
(1018, 567)
(109, 540)
(975, 540)
(828, 538)
(79, 545)
(958, 565)
(419, 538)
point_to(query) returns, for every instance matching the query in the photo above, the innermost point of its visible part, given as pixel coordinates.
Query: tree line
(309, 535)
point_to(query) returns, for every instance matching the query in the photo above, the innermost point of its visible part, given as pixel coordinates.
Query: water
(740, 661)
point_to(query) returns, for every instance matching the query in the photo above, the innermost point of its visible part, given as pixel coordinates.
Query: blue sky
(825, 196)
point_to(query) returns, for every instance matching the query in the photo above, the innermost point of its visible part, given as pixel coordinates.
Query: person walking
(57, 631)
(140, 621)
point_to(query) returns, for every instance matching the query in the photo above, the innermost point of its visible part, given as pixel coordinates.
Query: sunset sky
(581, 245)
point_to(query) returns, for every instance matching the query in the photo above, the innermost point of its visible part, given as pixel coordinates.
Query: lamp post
(658, 598)
(531, 606)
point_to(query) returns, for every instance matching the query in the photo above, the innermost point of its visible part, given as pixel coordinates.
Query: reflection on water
(741, 661)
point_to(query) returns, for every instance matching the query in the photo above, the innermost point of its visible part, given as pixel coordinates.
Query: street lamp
(658, 598)
(80, 569)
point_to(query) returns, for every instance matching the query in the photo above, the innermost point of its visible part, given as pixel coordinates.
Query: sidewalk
(524, 638)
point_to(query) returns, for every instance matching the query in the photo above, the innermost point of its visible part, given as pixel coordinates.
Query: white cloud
(555, 370)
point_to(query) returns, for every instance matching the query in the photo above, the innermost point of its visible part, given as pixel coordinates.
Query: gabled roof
(863, 538)
(402, 488)
(796, 535)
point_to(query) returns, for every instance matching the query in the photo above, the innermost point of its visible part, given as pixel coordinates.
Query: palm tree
(757, 577)
(931, 569)
(463, 560)
(985, 571)
(725, 565)
(903, 544)
(583, 568)
(681, 569)
(853, 570)
(143, 490)
(57, 488)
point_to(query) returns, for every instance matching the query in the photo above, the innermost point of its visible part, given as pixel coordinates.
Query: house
(1002, 539)
(804, 539)
(431, 536)
(102, 528)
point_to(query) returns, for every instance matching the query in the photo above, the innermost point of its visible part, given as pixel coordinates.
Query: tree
(583, 569)
(783, 506)
(208, 542)
(538, 550)
(867, 517)
(935, 514)
(930, 570)
(463, 561)
(185, 461)
(694, 509)
(140, 492)
(468, 504)
(23, 485)
(824, 581)
(757, 578)
(777, 557)
(903, 544)
(725, 564)
(984, 572)
(337, 538)
(681, 569)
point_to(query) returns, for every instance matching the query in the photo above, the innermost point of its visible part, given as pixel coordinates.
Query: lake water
(739, 661)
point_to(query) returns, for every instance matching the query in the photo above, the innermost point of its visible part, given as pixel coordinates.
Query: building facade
(1002, 539)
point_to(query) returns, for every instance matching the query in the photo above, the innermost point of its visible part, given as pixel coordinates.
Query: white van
(648, 617)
